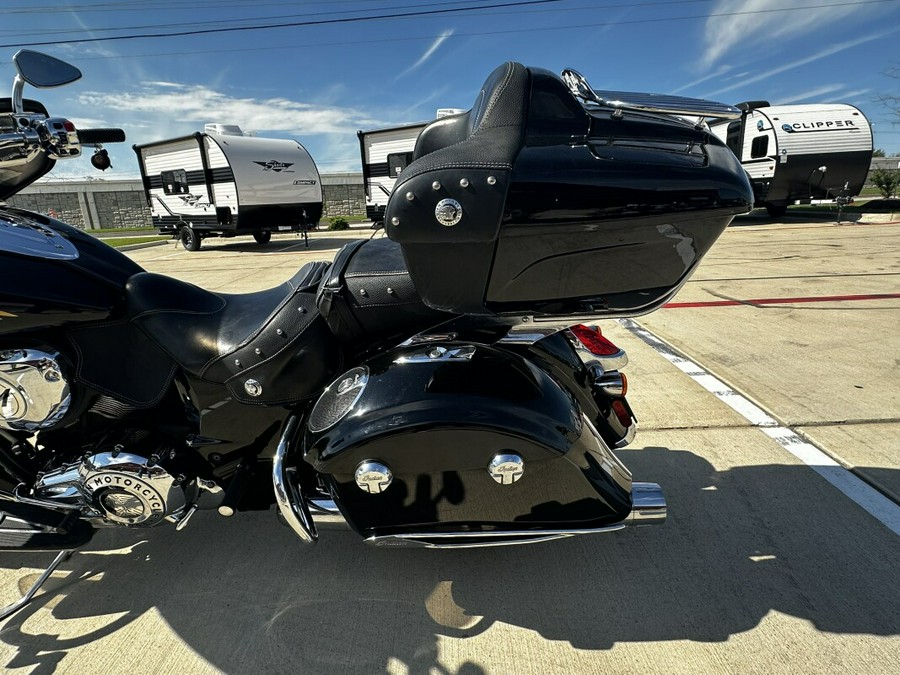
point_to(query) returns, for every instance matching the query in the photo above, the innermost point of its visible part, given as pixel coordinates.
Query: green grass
(117, 242)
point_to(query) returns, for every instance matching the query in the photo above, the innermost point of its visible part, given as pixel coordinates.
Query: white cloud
(718, 72)
(828, 51)
(812, 93)
(173, 104)
(428, 53)
(765, 27)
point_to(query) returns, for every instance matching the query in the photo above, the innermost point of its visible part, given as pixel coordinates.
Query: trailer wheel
(262, 236)
(189, 239)
(776, 210)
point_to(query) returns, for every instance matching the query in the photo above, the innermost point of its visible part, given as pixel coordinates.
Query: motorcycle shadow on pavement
(247, 596)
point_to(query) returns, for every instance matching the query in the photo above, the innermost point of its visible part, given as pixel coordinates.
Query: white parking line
(879, 506)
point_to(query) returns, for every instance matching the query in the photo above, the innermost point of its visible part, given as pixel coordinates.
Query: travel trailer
(798, 154)
(223, 183)
(385, 153)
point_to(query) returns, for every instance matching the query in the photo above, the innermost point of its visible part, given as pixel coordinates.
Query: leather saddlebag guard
(368, 295)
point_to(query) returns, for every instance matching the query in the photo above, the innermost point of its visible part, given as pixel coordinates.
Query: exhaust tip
(648, 504)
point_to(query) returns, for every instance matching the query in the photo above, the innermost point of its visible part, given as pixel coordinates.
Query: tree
(892, 101)
(878, 153)
(886, 180)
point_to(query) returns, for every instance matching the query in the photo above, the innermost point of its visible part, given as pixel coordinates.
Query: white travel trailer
(222, 183)
(385, 153)
(796, 154)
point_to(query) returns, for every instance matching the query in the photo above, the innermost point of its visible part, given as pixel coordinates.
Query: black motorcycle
(438, 387)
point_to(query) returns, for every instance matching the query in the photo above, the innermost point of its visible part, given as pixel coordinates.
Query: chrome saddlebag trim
(649, 508)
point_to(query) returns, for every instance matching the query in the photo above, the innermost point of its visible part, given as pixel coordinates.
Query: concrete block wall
(100, 204)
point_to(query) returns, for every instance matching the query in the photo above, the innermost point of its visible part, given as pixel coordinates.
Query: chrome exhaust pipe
(648, 505)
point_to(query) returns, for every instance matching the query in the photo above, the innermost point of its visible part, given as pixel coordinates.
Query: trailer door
(759, 152)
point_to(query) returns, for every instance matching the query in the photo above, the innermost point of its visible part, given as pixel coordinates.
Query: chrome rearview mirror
(39, 70)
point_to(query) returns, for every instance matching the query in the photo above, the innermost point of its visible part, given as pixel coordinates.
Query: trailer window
(397, 162)
(760, 147)
(175, 182)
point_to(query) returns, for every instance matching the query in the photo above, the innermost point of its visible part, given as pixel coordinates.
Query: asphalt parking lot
(768, 396)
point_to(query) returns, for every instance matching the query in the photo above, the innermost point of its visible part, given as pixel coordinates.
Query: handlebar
(95, 136)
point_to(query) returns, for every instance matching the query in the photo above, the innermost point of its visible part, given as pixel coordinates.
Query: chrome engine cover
(34, 393)
(117, 488)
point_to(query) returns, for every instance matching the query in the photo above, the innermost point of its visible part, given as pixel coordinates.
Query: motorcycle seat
(367, 295)
(218, 336)
(488, 135)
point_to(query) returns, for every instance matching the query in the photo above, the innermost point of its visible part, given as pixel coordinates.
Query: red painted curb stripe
(781, 301)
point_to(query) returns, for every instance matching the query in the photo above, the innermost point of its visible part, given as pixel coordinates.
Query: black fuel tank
(55, 274)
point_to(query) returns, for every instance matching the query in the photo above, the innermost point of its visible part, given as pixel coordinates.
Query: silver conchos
(253, 388)
(34, 394)
(448, 212)
(373, 476)
(506, 468)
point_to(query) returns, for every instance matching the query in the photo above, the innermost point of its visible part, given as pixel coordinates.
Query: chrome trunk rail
(643, 102)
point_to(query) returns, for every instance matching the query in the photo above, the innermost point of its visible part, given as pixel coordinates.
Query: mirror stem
(18, 87)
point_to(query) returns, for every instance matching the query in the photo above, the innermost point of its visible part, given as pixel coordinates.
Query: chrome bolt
(437, 352)
(395, 221)
(373, 476)
(410, 196)
(253, 388)
(506, 468)
(258, 351)
(491, 180)
(279, 332)
(436, 185)
(464, 182)
(237, 362)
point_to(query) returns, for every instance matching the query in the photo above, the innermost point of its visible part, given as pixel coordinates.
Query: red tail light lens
(593, 340)
(69, 126)
(622, 413)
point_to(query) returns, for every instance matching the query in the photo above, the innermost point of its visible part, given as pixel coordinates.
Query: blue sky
(347, 71)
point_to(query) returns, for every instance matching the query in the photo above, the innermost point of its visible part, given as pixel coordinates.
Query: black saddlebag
(552, 209)
(367, 295)
(437, 416)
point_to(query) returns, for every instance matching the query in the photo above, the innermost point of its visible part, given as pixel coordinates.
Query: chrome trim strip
(527, 334)
(288, 495)
(438, 353)
(649, 508)
(476, 539)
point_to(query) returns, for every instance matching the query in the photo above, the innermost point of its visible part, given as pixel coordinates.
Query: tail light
(594, 341)
(593, 347)
(622, 413)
